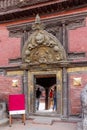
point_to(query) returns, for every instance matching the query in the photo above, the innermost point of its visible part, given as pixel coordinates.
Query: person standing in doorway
(38, 94)
(51, 98)
(54, 100)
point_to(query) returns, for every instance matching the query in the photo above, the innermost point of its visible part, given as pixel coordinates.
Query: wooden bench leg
(10, 120)
(23, 118)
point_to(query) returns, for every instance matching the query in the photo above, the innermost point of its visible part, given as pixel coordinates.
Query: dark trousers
(54, 104)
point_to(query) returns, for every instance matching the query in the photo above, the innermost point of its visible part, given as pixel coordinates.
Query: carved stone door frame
(31, 89)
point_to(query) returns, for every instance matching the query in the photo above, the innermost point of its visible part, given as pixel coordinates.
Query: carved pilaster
(22, 44)
(64, 35)
(26, 90)
(23, 39)
(25, 35)
(65, 93)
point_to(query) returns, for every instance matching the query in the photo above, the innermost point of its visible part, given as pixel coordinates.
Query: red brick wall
(6, 87)
(77, 42)
(77, 39)
(9, 47)
(74, 92)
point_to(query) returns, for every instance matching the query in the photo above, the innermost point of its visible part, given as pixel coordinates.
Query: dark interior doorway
(45, 83)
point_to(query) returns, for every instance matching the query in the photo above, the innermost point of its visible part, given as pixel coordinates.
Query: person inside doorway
(38, 95)
(54, 100)
(51, 98)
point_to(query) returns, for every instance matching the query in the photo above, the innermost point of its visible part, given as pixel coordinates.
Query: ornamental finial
(37, 19)
(37, 25)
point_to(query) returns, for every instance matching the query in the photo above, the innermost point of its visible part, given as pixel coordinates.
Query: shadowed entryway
(45, 83)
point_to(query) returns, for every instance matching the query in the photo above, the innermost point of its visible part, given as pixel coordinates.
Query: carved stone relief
(76, 23)
(56, 31)
(42, 47)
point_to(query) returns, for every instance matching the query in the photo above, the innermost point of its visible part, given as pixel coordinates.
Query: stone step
(4, 121)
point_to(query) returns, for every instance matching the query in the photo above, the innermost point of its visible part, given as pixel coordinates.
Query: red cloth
(51, 94)
(16, 102)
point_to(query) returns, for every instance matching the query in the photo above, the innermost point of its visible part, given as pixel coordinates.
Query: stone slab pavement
(40, 124)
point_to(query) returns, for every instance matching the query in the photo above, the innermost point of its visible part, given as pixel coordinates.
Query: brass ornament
(77, 81)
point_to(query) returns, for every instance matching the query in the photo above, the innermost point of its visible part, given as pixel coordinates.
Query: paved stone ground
(40, 124)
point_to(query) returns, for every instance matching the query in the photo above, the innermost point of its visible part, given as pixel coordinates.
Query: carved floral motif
(42, 47)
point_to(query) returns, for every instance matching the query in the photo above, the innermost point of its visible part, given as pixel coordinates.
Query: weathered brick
(75, 91)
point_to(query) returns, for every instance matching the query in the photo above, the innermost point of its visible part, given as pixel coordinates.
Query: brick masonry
(75, 90)
(77, 39)
(10, 49)
(6, 87)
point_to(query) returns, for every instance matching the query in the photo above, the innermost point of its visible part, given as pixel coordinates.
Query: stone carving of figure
(39, 38)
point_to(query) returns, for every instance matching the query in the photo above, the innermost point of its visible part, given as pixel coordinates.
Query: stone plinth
(3, 114)
(84, 123)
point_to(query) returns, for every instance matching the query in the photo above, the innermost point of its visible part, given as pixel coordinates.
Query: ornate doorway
(45, 80)
(43, 56)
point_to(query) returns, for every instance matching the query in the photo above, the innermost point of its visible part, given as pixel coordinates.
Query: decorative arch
(42, 47)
